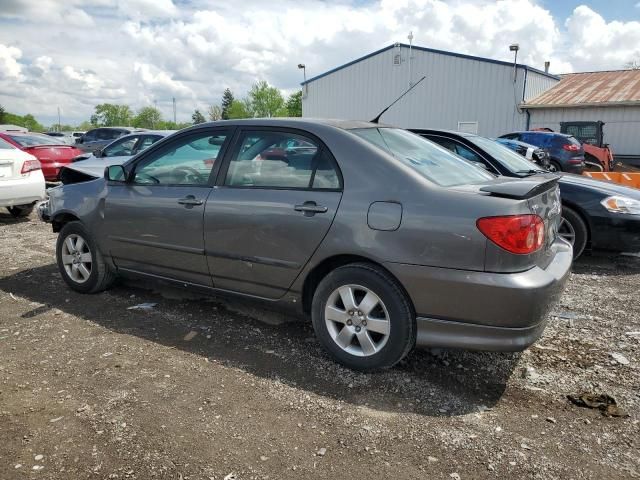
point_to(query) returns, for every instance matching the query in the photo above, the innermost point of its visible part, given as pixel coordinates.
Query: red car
(52, 153)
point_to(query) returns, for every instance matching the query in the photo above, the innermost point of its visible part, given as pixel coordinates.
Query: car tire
(80, 262)
(21, 211)
(572, 226)
(381, 336)
(554, 166)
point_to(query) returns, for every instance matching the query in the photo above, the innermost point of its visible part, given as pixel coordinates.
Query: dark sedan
(595, 214)
(372, 231)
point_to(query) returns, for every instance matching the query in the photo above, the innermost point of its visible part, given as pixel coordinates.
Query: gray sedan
(384, 239)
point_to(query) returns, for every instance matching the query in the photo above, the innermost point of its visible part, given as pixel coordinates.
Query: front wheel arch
(60, 219)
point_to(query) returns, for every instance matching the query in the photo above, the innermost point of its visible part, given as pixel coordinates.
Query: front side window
(272, 159)
(123, 148)
(187, 161)
(430, 160)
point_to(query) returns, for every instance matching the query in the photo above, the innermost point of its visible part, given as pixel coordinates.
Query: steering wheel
(199, 178)
(146, 178)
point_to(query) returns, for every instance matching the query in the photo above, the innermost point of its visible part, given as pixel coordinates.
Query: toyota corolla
(382, 238)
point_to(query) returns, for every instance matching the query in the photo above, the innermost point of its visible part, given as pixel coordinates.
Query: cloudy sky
(74, 54)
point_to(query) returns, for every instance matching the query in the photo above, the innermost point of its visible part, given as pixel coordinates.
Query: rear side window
(4, 145)
(273, 159)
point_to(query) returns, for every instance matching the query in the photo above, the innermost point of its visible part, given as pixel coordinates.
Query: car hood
(602, 186)
(95, 166)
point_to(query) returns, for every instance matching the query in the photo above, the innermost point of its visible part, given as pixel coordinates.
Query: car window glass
(325, 175)
(89, 136)
(4, 145)
(34, 140)
(146, 142)
(273, 159)
(188, 161)
(122, 148)
(464, 152)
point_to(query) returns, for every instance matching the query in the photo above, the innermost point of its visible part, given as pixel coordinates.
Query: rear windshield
(35, 140)
(512, 160)
(432, 161)
(4, 145)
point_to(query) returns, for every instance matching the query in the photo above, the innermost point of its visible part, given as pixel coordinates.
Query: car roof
(442, 131)
(293, 122)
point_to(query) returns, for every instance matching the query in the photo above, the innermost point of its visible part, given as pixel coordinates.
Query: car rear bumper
(483, 310)
(22, 191)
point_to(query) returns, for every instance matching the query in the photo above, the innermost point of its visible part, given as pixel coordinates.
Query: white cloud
(9, 66)
(79, 53)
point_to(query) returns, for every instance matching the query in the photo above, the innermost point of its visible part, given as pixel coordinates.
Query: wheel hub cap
(357, 320)
(77, 259)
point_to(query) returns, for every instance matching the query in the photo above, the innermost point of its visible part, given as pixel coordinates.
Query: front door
(271, 210)
(154, 223)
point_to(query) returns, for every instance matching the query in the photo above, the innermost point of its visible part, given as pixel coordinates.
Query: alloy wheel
(566, 231)
(76, 258)
(357, 320)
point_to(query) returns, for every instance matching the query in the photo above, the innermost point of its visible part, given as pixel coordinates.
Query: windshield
(35, 140)
(432, 161)
(506, 156)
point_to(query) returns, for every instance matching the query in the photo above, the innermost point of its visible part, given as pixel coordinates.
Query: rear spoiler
(522, 189)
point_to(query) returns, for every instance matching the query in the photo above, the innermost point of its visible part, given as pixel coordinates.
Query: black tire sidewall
(21, 211)
(556, 165)
(78, 229)
(402, 332)
(580, 229)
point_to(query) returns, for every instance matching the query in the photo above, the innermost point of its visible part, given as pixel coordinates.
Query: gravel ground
(213, 389)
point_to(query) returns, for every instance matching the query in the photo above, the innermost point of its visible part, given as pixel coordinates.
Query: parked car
(375, 232)
(51, 152)
(595, 214)
(532, 153)
(21, 180)
(99, 137)
(118, 151)
(565, 152)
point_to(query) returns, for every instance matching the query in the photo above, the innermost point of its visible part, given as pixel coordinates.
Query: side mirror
(99, 153)
(115, 173)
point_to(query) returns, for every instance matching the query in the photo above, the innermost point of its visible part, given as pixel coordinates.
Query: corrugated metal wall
(621, 130)
(456, 90)
(536, 84)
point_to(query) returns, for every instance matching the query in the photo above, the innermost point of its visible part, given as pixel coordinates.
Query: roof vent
(546, 66)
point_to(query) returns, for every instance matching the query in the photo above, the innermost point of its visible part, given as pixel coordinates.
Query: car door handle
(190, 200)
(310, 208)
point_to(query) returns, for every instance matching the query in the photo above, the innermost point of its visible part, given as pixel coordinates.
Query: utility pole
(174, 109)
(59, 126)
(410, 37)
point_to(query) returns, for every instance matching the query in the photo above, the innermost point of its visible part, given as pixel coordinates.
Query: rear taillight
(30, 165)
(521, 234)
(570, 147)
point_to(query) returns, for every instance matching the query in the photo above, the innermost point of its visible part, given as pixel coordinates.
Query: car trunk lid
(10, 164)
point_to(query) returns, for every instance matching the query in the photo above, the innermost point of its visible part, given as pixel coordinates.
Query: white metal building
(460, 92)
(612, 97)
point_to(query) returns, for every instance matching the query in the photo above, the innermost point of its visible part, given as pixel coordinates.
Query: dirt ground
(211, 389)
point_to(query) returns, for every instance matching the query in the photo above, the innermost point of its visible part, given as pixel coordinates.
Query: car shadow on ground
(607, 264)
(7, 219)
(427, 382)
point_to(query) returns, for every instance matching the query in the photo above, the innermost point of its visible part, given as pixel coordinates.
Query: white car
(21, 180)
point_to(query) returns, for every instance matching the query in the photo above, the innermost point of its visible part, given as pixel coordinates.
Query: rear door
(275, 201)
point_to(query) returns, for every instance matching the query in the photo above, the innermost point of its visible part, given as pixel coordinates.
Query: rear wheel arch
(582, 214)
(326, 266)
(61, 219)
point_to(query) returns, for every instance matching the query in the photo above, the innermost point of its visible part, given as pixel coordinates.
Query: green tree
(27, 121)
(147, 117)
(294, 104)
(214, 112)
(197, 117)
(84, 126)
(238, 109)
(227, 101)
(2, 113)
(109, 115)
(266, 101)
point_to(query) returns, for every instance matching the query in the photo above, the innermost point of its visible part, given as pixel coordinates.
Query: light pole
(410, 38)
(303, 67)
(514, 47)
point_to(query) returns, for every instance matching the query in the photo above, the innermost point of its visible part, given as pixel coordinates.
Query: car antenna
(375, 120)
